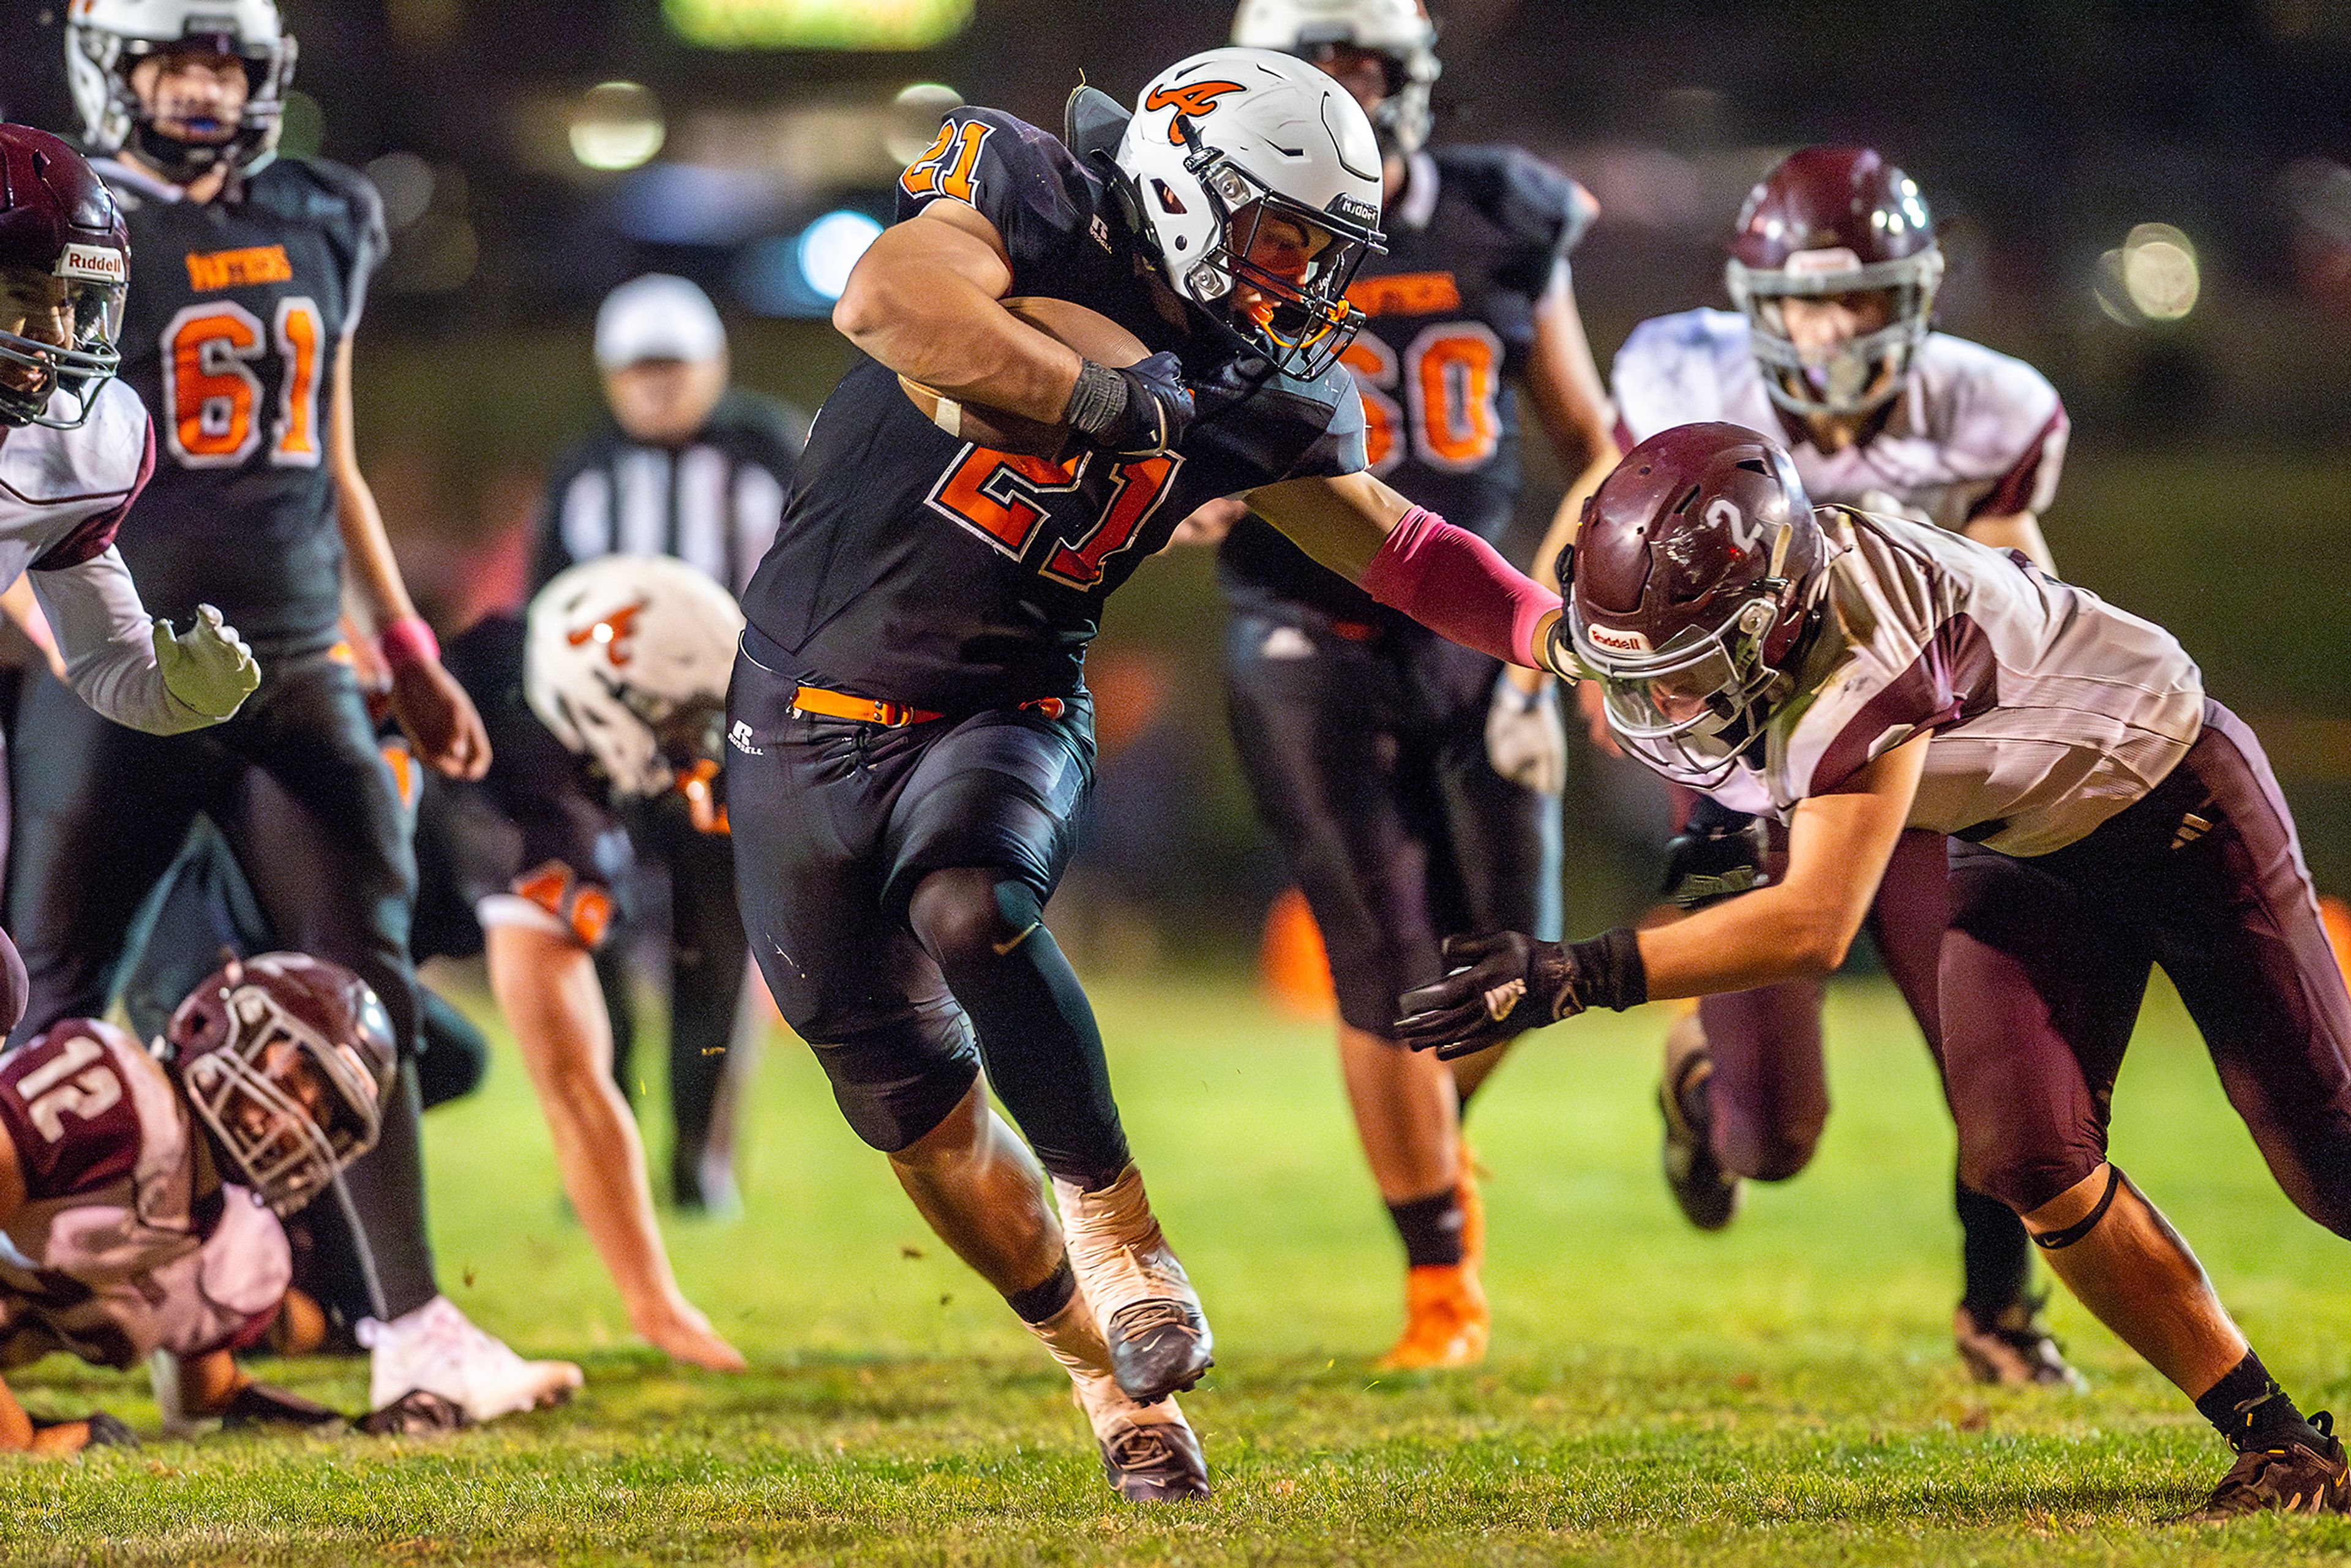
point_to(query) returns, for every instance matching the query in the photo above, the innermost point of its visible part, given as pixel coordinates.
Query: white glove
(209, 668)
(1525, 740)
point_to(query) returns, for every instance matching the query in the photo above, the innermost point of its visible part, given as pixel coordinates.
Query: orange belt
(826, 703)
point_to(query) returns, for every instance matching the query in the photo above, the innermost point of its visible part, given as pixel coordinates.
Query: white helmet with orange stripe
(626, 660)
(1253, 173)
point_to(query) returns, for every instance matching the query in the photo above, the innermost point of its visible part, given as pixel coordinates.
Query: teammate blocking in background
(910, 738)
(694, 468)
(1857, 676)
(1835, 267)
(1413, 784)
(248, 276)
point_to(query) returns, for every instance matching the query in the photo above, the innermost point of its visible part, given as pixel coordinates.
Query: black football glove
(1503, 983)
(1141, 411)
(1719, 855)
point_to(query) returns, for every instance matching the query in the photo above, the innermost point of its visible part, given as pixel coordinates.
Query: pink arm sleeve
(1458, 586)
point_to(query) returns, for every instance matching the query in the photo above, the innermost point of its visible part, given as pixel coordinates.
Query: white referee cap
(657, 317)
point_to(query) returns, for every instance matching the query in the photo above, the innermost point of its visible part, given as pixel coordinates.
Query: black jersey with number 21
(916, 568)
(238, 309)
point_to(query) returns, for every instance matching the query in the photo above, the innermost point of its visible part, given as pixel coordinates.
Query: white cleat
(1149, 1452)
(437, 1349)
(1158, 1338)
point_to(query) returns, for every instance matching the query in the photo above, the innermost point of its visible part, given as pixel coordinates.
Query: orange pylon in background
(1293, 968)
(2337, 917)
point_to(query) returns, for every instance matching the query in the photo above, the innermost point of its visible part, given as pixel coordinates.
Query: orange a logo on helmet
(1195, 99)
(612, 633)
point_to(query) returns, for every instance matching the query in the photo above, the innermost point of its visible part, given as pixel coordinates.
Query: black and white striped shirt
(713, 503)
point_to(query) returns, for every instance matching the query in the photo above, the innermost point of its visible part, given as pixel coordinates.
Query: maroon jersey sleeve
(70, 1113)
(2028, 485)
(92, 539)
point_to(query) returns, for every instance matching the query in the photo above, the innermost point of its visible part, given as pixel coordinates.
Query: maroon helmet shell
(57, 219)
(1696, 569)
(222, 1045)
(1835, 221)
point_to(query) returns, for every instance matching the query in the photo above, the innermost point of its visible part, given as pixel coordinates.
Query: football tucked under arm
(1093, 335)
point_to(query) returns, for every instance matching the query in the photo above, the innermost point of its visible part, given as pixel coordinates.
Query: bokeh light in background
(2153, 277)
(817, 24)
(831, 247)
(617, 125)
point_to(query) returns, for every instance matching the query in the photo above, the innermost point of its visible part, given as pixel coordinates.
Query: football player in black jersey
(909, 737)
(1412, 783)
(249, 274)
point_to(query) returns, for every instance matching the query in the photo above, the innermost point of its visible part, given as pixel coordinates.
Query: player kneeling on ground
(140, 1193)
(910, 737)
(1857, 674)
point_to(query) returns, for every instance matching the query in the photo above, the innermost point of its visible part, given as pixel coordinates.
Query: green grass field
(1785, 1392)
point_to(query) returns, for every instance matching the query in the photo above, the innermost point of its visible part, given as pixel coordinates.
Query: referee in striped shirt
(690, 467)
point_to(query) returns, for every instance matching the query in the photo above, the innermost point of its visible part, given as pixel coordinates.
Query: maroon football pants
(1769, 1097)
(2046, 961)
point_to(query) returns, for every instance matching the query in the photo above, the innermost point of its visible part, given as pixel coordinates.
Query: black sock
(2248, 1409)
(1995, 1254)
(1041, 1301)
(1431, 1228)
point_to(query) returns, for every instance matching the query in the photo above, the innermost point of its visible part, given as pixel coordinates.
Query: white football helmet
(1222, 142)
(1397, 30)
(105, 39)
(626, 660)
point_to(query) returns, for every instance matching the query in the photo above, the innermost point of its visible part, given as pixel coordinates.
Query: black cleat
(1158, 1338)
(2298, 1476)
(2015, 1350)
(1707, 1194)
(1156, 1461)
(1159, 1347)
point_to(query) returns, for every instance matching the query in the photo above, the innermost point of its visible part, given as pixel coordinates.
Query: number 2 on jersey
(946, 168)
(213, 396)
(51, 1089)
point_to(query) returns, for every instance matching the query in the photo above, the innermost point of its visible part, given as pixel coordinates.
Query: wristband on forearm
(1098, 400)
(1608, 970)
(408, 641)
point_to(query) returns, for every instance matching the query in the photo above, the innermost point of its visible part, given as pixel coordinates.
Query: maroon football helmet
(286, 1059)
(1830, 221)
(1691, 584)
(61, 231)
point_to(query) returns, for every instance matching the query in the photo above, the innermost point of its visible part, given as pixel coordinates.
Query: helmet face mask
(1398, 33)
(285, 1060)
(105, 40)
(1831, 222)
(35, 366)
(1237, 155)
(1696, 703)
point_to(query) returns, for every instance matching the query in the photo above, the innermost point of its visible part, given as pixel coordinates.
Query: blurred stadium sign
(817, 24)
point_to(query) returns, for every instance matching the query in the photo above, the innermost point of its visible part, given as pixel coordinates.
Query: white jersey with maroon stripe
(120, 1247)
(63, 491)
(2051, 709)
(1973, 433)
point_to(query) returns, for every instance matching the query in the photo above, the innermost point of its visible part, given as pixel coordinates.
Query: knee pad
(894, 1083)
(972, 913)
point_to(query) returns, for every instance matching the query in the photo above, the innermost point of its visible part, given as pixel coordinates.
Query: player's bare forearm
(923, 301)
(1838, 846)
(373, 570)
(2016, 531)
(545, 986)
(1341, 523)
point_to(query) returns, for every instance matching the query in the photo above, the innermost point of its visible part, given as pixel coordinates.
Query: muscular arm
(923, 301)
(1838, 846)
(2017, 531)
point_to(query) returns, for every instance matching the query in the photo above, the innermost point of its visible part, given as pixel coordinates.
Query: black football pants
(102, 813)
